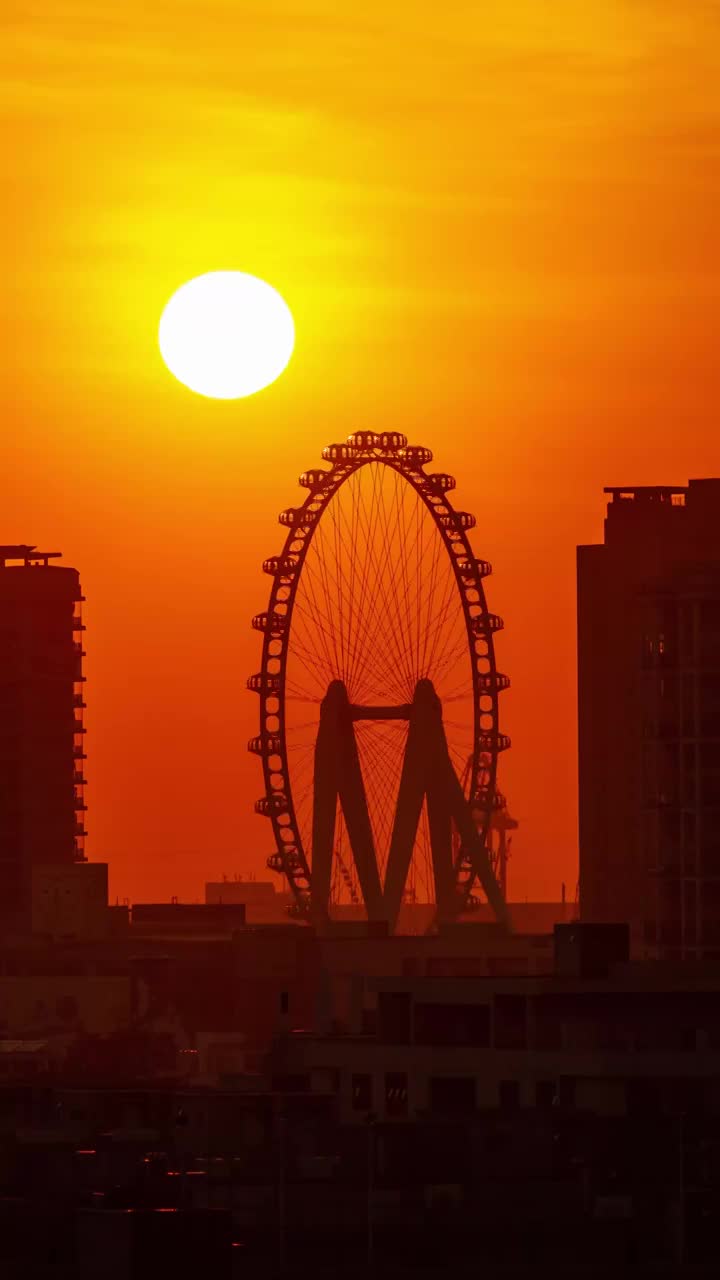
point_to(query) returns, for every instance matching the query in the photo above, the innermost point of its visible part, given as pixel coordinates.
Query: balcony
(78, 726)
(659, 660)
(79, 701)
(79, 779)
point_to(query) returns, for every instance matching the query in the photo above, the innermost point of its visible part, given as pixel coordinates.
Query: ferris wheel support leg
(416, 781)
(473, 845)
(357, 820)
(338, 774)
(407, 816)
(325, 792)
(439, 821)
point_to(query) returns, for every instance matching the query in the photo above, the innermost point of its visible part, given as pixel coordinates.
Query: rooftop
(673, 494)
(28, 555)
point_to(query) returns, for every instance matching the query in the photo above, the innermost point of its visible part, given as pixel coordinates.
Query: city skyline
(484, 232)
(360, 639)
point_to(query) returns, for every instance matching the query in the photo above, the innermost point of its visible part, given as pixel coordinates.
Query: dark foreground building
(649, 719)
(564, 1124)
(41, 751)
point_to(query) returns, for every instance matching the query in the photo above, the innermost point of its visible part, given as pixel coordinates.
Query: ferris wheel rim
(348, 459)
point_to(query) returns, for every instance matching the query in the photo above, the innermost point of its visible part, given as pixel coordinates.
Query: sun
(226, 334)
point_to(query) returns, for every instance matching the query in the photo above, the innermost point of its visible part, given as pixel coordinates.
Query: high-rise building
(649, 719)
(41, 724)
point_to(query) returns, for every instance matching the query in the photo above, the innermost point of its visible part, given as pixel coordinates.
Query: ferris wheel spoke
(325, 590)
(401, 492)
(411, 553)
(464, 694)
(307, 726)
(331, 572)
(392, 536)
(459, 758)
(447, 667)
(367, 558)
(451, 641)
(322, 627)
(355, 553)
(358, 562)
(386, 675)
(440, 618)
(317, 640)
(310, 634)
(365, 533)
(319, 580)
(441, 588)
(380, 562)
(458, 725)
(354, 544)
(420, 554)
(312, 661)
(386, 748)
(383, 777)
(371, 634)
(378, 637)
(426, 598)
(296, 693)
(332, 510)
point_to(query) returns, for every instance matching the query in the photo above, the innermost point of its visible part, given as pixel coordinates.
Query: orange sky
(497, 227)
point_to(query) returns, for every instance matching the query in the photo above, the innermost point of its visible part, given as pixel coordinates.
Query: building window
(452, 1095)
(393, 1017)
(545, 1094)
(396, 1093)
(290, 1084)
(643, 1097)
(509, 1095)
(509, 1022)
(566, 1091)
(508, 966)
(67, 1008)
(453, 1024)
(369, 1022)
(362, 1092)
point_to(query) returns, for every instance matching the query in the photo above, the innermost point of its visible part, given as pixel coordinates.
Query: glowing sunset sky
(497, 228)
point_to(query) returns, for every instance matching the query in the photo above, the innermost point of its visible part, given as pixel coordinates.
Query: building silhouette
(41, 725)
(649, 719)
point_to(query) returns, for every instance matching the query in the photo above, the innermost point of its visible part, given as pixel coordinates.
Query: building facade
(649, 719)
(41, 724)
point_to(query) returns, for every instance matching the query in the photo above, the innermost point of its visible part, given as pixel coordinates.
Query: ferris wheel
(378, 691)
